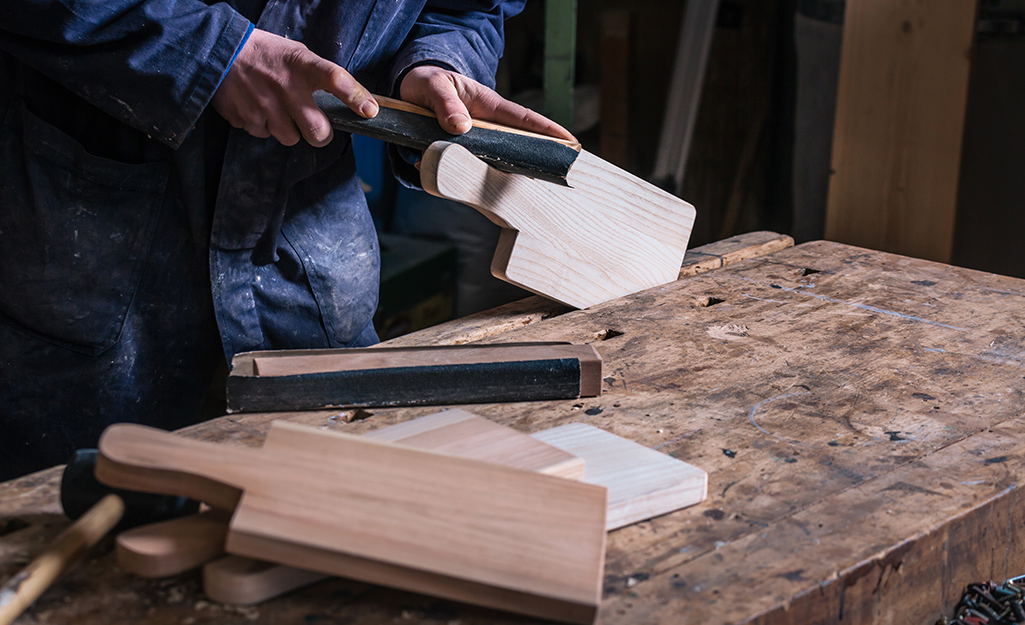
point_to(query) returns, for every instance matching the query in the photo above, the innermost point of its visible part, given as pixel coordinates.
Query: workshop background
(946, 98)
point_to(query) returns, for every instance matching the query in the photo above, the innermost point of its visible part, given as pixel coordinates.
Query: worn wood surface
(859, 415)
(900, 112)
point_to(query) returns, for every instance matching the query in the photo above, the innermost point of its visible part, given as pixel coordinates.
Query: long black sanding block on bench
(268, 381)
(507, 149)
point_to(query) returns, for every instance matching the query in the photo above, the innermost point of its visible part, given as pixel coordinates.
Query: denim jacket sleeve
(153, 64)
(466, 36)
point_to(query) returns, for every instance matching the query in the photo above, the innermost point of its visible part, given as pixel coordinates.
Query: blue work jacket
(143, 242)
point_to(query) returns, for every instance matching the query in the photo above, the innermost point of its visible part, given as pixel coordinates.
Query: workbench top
(858, 414)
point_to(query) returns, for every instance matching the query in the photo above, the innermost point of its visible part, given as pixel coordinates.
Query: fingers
(455, 99)
(434, 88)
(269, 91)
(448, 106)
(509, 113)
(343, 86)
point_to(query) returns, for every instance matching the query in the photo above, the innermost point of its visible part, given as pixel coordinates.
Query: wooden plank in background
(899, 121)
(615, 88)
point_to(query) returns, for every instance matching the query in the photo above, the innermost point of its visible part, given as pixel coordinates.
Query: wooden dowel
(25, 587)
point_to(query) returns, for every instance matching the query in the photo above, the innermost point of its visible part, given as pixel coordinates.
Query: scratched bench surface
(858, 413)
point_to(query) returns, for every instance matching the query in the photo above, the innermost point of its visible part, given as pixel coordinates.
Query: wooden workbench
(859, 415)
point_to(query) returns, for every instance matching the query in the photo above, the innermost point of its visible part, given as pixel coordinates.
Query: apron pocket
(75, 230)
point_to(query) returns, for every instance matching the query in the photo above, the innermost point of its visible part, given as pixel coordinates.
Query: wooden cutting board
(605, 235)
(177, 545)
(451, 527)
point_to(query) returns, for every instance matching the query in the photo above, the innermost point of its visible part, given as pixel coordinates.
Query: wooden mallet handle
(25, 587)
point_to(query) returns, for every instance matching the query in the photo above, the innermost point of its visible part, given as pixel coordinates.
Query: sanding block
(266, 381)
(502, 147)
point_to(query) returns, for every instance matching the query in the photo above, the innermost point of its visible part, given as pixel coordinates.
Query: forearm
(153, 64)
(463, 35)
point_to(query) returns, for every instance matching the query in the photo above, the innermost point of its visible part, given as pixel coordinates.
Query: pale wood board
(901, 101)
(642, 483)
(471, 530)
(607, 235)
(464, 434)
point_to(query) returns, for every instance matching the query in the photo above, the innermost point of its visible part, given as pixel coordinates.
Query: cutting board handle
(450, 171)
(149, 460)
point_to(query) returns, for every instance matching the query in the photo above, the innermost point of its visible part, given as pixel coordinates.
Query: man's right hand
(269, 91)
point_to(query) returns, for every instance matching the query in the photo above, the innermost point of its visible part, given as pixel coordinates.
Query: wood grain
(900, 111)
(464, 434)
(609, 235)
(642, 483)
(456, 523)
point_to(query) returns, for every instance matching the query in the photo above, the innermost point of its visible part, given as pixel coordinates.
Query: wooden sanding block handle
(18, 593)
(508, 149)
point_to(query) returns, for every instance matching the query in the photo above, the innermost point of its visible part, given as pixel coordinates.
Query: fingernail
(460, 122)
(368, 108)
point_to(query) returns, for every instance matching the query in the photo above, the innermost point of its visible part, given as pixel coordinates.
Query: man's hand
(455, 99)
(269, 91)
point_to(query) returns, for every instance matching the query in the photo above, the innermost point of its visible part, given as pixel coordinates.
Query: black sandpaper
(529, 380)
(510, 152)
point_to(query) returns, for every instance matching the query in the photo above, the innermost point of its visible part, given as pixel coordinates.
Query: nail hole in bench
(809, 271)
(705, 302)
(605, 335)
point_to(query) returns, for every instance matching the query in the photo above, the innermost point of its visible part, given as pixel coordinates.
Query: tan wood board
(469, 530)
(606, 235)
(642, 483)
(901, 100)
(859, 415)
